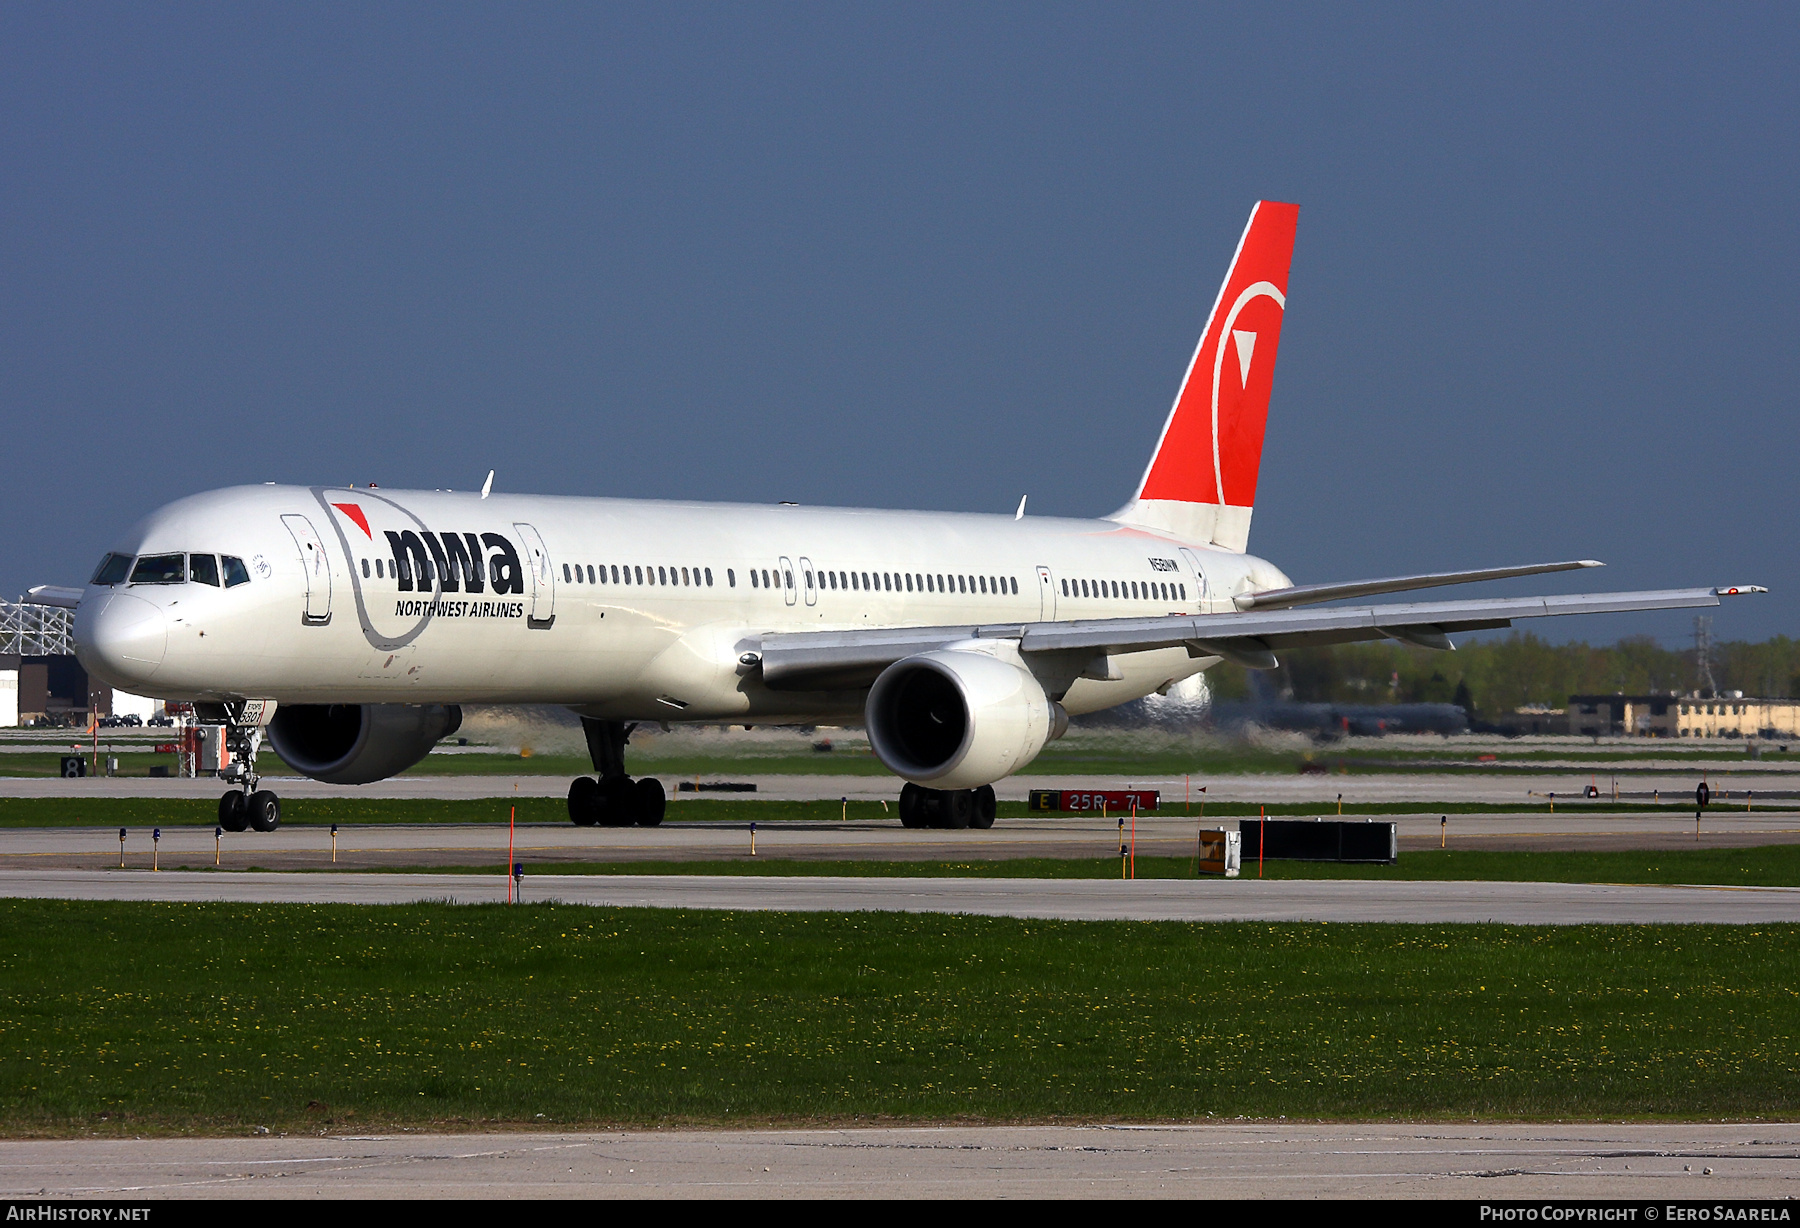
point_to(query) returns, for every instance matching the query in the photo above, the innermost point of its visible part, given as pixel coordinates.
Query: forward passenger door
(315, 566)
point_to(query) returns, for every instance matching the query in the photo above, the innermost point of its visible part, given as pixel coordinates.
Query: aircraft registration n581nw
(348, 624)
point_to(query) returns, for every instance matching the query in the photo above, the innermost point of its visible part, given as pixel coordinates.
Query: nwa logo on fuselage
(455, 562)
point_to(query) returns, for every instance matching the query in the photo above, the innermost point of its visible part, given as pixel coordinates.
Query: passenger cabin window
(159, 569)
(112, 570)
(204, 569)
(236, 573)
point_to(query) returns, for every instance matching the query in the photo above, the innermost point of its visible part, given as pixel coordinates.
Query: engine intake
(956, 718)
(353, 744)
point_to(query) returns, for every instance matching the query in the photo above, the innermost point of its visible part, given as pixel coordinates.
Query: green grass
(1107, 755)
(147, 1018)
(1776, 865)
(316, 811)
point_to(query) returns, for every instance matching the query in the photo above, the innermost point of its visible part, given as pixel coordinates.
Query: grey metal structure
(28, 630)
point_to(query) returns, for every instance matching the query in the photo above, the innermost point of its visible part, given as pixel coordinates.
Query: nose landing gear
(245, 807)
(615, 799)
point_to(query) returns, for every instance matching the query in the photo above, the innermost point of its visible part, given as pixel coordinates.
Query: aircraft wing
(814, 660)
(52, 594)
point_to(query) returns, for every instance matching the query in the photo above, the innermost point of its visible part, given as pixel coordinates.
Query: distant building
(1731, 715)
(52, 690)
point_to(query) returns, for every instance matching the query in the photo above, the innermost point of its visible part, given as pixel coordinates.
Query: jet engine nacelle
(353, 744)
(956, 719)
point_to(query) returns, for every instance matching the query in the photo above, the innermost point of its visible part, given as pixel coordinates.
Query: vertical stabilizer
(1201, 481)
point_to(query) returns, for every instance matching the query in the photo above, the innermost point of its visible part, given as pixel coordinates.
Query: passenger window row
(1125, 590)
(208, 569)
(627, 573)
(912, 582)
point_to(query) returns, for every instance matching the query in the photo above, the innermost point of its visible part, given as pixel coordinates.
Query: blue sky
(1543, 300)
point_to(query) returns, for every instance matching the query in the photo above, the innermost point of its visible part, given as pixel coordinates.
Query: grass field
(304, 811)
(1084, 754)
(145, 1018)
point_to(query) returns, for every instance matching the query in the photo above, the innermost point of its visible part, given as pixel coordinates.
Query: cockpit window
(235, 571)
(159, 569)
(112, 570)
(203, 569)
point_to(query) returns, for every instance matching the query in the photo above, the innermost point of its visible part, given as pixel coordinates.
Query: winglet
(1736, 590)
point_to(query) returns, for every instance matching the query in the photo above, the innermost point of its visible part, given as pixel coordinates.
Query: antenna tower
(1703, 646)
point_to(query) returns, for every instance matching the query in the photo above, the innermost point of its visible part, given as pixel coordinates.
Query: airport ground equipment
(1321, 840)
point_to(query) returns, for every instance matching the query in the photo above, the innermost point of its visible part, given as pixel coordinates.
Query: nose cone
(121, 638)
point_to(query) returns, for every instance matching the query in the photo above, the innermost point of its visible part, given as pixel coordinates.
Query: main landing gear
(245, 807)
(956, 808)
(615, 799)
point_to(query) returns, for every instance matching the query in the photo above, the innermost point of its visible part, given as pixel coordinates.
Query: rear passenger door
(1046, 595)
(541, 578)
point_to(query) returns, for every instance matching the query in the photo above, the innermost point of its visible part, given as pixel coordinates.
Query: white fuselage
(330, 614)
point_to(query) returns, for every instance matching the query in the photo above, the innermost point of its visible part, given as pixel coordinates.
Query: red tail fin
(1201, 482)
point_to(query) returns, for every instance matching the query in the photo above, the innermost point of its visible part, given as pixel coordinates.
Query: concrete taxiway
(376, 846)
(1769, 781)
(1339, 900)
(1228, 1160)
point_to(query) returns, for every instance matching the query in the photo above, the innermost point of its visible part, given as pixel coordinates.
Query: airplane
(348, 625)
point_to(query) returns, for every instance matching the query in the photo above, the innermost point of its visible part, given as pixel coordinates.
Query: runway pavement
(1227, 1160)
(1509, 787)
(1339, 900)
(310, 846)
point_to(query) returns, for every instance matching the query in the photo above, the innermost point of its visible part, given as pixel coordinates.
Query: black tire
(584, 801)
(956, 808)
(912, 806)
(618, 802)
(234, 812)
(650, 801)
(265, 810)
(986, 806)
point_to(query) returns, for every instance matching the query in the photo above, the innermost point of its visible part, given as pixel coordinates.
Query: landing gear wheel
(651, 801)
(265, 810)
(912, 807)
(985, 807)
(584, 801)
(956, 808)
(617, 801)
(234, 811)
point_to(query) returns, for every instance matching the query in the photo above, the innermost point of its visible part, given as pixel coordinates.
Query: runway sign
(1113, 801)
